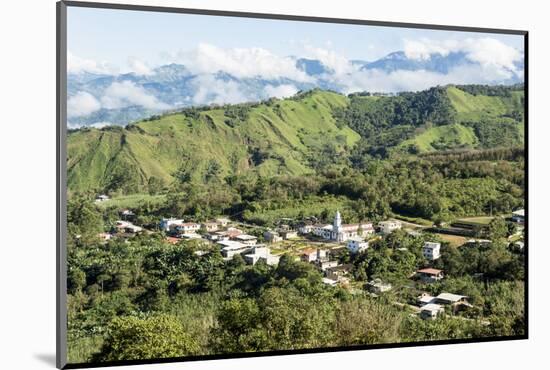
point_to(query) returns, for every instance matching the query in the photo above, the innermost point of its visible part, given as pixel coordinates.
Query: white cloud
(485, 51)
(375, 80)
(82, 104)
(210, 90)
(74, 126)
(329, 58)
(139, 67)
(77, 65)
(281, 91)
(126, 93)
(240, 62)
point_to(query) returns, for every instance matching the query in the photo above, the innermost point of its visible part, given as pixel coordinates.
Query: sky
(114, 42)
(119, 38)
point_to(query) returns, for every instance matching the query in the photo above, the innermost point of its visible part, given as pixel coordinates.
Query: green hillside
(294, 136)
(443, 137)
(271, 138)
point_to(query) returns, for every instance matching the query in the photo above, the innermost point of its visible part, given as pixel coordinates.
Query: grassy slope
(287, 132)
(469, 108)
(160, 147)
(461, 135)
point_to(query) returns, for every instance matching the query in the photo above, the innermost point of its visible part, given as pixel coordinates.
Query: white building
(518, 216)
(246, 239)
(165, 223)
(186, 228)
(223, 222)
(342, 232)
(261, 252)
(313, 254)
(387, 227)
(430, 311)
(272, 236)
(210, 226)
(288, 234)
(431, 250)
(357, 244)
(229, 248)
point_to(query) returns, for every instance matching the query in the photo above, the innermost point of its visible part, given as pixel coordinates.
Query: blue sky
(113, 36)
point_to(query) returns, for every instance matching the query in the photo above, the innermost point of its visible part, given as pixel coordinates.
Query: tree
(132, 338)
(497, 229)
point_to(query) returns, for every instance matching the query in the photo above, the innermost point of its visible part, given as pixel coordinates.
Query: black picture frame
(61, 170)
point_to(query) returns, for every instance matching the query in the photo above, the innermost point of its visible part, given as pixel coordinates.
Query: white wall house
(229, 248)
(246, 239)
(431, 250)
(387, 227)
(186, 227)
(272, 236)
(165, 223)
(357, 244)
(430, 311)
(261, 252)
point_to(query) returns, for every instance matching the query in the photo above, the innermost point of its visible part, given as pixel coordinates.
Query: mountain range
(107, 99)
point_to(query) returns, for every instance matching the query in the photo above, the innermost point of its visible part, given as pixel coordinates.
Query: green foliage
(132, 338)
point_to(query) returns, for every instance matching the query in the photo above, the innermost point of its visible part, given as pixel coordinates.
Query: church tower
(337, 226)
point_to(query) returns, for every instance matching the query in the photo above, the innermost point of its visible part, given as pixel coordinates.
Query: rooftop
(430, 271)
(450, 297)
(431, 245)
(232, 245)
(245, 237)
(519, 212)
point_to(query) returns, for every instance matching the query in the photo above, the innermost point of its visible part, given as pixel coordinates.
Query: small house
(424, 299)
(210, 226)
(387, 227)
(313, 254)
(518, 216)
(165, 223)
(323, 265)
(223, 222)
(338, 272)
(288, 234)
(229, 248)
(272, 236)
(431, 311)
(261, 252)
(431, 251)
(357, 244)
(246, 239)
(429, 275)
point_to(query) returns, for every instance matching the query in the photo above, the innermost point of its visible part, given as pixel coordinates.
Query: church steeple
(337, 222)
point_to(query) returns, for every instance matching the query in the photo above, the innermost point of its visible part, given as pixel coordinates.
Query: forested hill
(303, 134)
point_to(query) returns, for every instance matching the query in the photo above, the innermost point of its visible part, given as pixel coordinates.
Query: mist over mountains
(99, 97)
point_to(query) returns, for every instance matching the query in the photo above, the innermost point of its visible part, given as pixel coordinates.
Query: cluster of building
(432, 307)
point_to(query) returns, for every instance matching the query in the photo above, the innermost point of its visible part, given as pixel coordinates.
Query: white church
(342, 232)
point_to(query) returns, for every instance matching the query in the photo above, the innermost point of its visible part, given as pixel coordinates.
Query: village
(324, 246)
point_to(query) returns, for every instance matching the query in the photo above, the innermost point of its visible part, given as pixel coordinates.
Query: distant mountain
(435, 62)
(174, 86)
